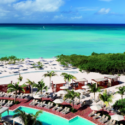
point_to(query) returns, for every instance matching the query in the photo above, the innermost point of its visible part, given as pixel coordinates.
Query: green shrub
(120, 105)
(102, 63)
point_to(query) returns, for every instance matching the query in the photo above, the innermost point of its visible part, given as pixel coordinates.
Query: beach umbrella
(64, 87)
(28, 64)
(58, 101)
(79, 90)
(117, 117)
(85, 87)
(11, 68)
(95, 107)
(18, 120)
(20, 66)
(61, 92)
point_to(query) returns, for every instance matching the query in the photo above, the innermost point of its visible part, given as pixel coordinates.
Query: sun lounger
(113, 123)
(67, 111)
(76, 102)
(22, 96)
(101, 118)
(47, 105)
(64, 110)
(7, 103)
(59, 109)
(50, 106)
(91, 114)
(43, 104)
(104, 120)
(109, 122)
(54, 108)
(32, 102)
(39, 104)
(96, 116)
(3, 102)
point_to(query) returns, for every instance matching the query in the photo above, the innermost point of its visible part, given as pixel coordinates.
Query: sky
(62, 11)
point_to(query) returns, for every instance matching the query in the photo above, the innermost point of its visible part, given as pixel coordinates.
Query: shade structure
(95, 107)
(62, 92)
(117, 117)
(18, 120)
(3, 109)
(85, 87)
(58, 101)
(64, 87)
(79, 90)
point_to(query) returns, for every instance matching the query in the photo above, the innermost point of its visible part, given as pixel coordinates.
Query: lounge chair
(7, 103)
(67, 111)
(113, 123)
(47, 105)
(76, 102)
(59, 109)
(105, 119)
(101, 118)
(43, 104)
(54, 108)
(64, 110)
(91, 114)
(22, 96)
(39, 104)
(96, 116)
(109, 122)
(32, 102)
(50, 106)
(3, 103)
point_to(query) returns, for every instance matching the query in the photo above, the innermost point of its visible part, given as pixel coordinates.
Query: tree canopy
(103, 63)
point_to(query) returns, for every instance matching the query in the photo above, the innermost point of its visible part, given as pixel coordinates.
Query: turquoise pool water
(50, 119)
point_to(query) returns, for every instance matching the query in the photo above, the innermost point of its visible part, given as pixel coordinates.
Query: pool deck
(82, 112)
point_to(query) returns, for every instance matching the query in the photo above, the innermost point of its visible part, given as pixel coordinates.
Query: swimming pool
(50, 119)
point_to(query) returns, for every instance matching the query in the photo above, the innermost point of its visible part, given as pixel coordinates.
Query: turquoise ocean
(49, 40)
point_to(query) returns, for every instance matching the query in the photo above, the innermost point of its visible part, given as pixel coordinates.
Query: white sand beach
(36, 74)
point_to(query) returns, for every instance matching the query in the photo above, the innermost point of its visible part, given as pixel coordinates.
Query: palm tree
(40, 86)
(50, 74)
(31, 83)
(121, 91)
(20, 78)
(68, 77)
(94, 89)
(106, 98)
(15, 88)
(71, 94)
(28, 119)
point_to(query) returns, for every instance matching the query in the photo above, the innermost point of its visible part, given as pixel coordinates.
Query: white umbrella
(79, 90)
(85, 87)
(117, 117)
(58, 101)
(64, 87)
(61, 92)
(49, 90)
(96, 107)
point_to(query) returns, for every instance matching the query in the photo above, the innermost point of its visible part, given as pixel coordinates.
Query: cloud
(76, 17)
(7, 1)
(39, 5)
(3, 12)
(103, 11)
(86, 9)
(59, 17)
(106, 0)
